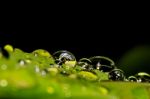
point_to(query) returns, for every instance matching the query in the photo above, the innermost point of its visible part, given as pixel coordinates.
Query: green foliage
(25, 75)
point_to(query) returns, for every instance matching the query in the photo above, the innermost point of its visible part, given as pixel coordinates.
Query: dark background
(84, 40)
(81, 44)
(84, 35)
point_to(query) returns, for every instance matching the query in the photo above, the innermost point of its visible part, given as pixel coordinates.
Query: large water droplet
(64, 57)
(102, 63)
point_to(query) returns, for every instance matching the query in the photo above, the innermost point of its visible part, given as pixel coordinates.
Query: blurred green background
(136, 59)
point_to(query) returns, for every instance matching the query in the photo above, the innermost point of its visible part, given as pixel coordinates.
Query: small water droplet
(85, 64)
(132, 79)
(21, 62)
(143, 77)
(116, 75)
(35, 54)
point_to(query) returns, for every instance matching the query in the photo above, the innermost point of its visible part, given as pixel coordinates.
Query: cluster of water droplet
(101, 63)
(65, 59)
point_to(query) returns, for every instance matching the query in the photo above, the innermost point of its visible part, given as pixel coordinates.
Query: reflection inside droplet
(98, 65)
(64, 57)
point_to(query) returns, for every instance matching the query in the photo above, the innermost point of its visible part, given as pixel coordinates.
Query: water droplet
(85, 64)
(64, 57)
(35, 54)
(102, 63)
(22, 62)
(85, 60)
(116, 75)
(132, 79)
(143, 77)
